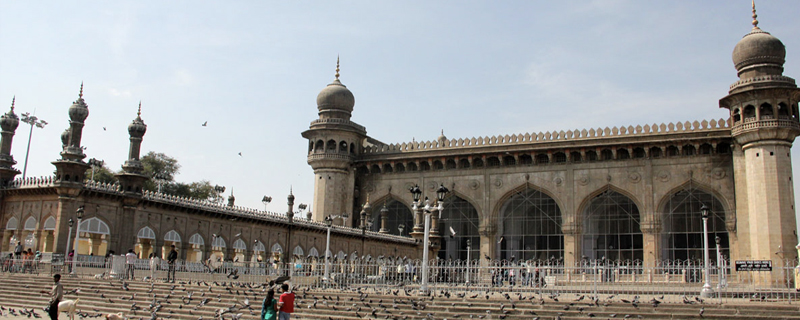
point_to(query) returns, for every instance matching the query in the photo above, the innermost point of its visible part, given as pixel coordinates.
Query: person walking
(130, 259)
(56, 294)
(173, 256)
(286, 303)
(269, 308)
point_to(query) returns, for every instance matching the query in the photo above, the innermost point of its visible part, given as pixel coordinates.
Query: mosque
(636, 193)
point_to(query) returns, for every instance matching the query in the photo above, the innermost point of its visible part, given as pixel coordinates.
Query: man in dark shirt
(56, 294)
(173, 255)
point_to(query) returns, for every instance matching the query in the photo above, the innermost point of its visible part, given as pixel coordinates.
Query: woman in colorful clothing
(269, 308)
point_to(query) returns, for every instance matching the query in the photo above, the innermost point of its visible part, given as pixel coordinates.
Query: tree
(163, 167)
(102, 174)
(161, 164)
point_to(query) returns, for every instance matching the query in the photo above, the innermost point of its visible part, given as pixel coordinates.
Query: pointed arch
(611, 226)
(30, 224)
(313, 252)
(259, 246)
(239, 245)
(298, 251)
(529, 227)
(12, 224)
(197, 239)
(399, 213)
(146, 233)
(522, 187)
(94, 225)
(692, 183)
(461, 216)
(276, 248)
(219, 242)
(173, 236)
(50, 223)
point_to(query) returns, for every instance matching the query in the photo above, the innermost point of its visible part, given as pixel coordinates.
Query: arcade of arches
(530, 226)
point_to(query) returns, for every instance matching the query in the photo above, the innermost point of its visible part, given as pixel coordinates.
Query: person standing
(130, 259)
(286, 303)
(18, 250)
(153, 266)
(173, 256)
(269, 308)
(56, 294)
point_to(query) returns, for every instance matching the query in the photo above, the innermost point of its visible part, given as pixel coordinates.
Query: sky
(253, 69)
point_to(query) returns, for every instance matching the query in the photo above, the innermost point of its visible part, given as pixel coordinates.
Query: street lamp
(97, 163)
(34, 122)
(70, 223)
(78, 213)
(219, 190)
(329, 223)
(441, 192)
(469, 247)
(159, 178)
(266, 200)
(400, 228)
(707, 291)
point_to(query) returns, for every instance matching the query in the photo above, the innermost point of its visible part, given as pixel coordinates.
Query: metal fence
(667, 281)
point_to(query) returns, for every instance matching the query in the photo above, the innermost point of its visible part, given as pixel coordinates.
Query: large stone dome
(758, 48)
(336, 97)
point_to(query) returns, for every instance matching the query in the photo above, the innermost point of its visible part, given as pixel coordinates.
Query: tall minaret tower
(764, 116)
(70, 169)
(333, 143)
(132, 178)
(9, 123)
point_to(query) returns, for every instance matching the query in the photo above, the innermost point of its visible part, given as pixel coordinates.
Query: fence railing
(676, 280)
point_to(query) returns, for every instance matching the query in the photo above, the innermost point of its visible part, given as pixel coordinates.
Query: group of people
(155, 261)
(278, 309)
(21, 260)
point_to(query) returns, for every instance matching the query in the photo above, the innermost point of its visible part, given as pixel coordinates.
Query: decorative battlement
(33, 182)
(646, 130)
(338, 121)
(765, 78)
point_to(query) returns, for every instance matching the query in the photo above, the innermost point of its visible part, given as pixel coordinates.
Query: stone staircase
(99, 297)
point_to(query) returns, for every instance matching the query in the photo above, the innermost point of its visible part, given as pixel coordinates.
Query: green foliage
(166, 167)
(102, 174)
(202, 190)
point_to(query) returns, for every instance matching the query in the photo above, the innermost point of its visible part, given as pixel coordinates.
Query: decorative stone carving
(634, 177)
(498, 182)
(558, 181)
(718, 173)
(474, 184)
(663, 175)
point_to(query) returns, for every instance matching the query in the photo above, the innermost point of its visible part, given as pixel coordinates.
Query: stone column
(651, 234)
(572, 242)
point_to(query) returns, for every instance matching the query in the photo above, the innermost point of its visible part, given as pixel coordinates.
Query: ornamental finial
(337, 67)
(14, 99)
(755, 21)
(80, 94)
(139, 113)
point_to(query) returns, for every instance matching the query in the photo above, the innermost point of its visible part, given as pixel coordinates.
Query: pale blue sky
(253, 69)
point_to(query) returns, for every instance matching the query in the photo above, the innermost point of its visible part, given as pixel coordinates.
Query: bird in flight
(452, 232)
(104, 128)
(205, 124)
(237, 235)
(240, 154)
(499, 241)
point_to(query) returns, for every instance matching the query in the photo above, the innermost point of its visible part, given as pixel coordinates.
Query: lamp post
(469, 247)
(34, 122)
(219, 190)
(329, 224)
(707, 291)
(441, 192)
(159, 178)
(266, 200)
(70, 223)
(720, 265)
(98, 163)
(79, 213)
(400, 228)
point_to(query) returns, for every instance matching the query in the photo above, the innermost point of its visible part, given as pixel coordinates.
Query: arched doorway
(239, 249)
(682, 232)
(398, 214)
(172, 238)
(258, 251)
(93, 238)
(48, 237)
(197, 243)
(611, 228)
(9, 239)
(146, 237)
(530, 227)
(218, 247)
(463, 218)
(29, 235)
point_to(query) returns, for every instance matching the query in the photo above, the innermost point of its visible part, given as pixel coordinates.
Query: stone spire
(9, 123)
(132, 177)
(70, 169)
(290, 212)
(231, 199)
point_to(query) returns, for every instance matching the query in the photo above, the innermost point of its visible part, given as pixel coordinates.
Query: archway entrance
(611, 228)
(93, 238)
(530, 227)
(682, 233)
(463, 218)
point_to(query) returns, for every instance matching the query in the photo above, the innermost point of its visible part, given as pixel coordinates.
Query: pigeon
(500, 241)
(238, 234)
(452, 232)
(205, 124)
(240, 154)
(104, 128)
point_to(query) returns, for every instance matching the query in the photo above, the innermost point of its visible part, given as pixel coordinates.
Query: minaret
(132, 177)
(231, 199)
(9, 123)
(764, 116)
(333, 144)
(70, 169)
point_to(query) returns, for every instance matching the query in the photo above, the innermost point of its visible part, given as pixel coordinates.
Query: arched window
(400, 167)
(298, 251)
(50, 223)
(559, 157)
(387, 168)
(376, 169)
(525, 159)
(352, 148)
(197, 239)
(509, 161)
(277, 248)
(530, 227)
(723, 148)
(398, 214)
(146, 233)
(493, 161)
(451, 164)
(783, 110)
(672, 151)
(343, 147)
(437, 165)
(173, 236)
(30, 241)
(313, 252)
(424, 166)
(259, 246)
(706, 148)
(606, 154)
(575, 156)
(239, 245)
(341, 255)
(30, 223)
(736, 115)
(655, 152)
(622, 154)
(330, 146)
(12, 224)
(319, 147)
(765, 111)
(412, 166)
(611, 228)
(463, 163)
(218, 242)
(463, 218)
(749, 112)
(638, 153)
(96, 226)
(682, 233)
(542, 158)
(689, 150)
(591, 155)
(478, 163)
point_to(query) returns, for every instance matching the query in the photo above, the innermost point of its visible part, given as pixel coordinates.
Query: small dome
(65, 137)
(9, 121)
(758, 48)
(78, 111)
(137, 128)
(336, 97)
